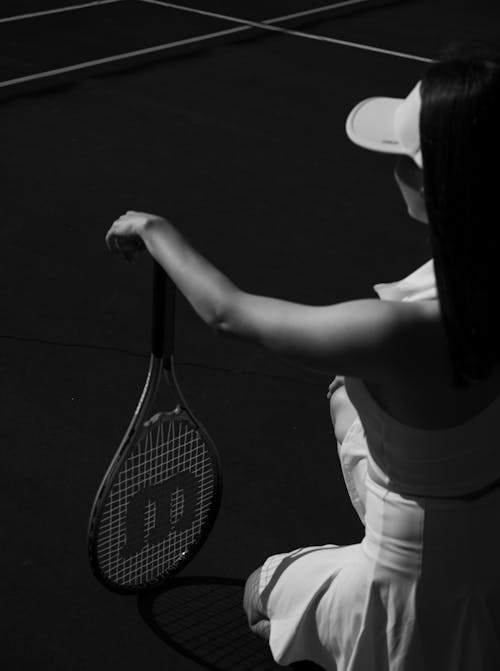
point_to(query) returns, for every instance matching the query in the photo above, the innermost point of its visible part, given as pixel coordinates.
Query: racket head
(158, 500)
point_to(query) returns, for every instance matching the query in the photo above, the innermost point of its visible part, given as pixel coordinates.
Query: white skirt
(421, 592)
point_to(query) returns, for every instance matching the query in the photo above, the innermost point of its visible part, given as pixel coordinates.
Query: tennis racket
(161, 493)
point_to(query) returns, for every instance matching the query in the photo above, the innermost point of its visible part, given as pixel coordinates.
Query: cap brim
(371, 125)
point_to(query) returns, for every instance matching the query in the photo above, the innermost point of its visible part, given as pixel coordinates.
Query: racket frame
(161, 366)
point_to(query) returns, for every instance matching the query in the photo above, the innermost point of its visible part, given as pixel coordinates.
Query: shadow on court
(202, 618)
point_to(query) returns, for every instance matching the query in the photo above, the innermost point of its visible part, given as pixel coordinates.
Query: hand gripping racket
(160, 495)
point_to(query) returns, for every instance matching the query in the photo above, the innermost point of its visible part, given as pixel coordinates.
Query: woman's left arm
(353, 338)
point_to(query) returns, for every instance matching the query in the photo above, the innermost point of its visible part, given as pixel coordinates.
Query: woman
(422, 589)
(370, 125)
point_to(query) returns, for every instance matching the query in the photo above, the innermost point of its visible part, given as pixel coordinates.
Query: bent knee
(342, 412)
(251, 598)
(337, 400)
(257, 619)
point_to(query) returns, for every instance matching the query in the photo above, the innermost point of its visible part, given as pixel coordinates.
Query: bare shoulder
(417, 342)
(406, 338)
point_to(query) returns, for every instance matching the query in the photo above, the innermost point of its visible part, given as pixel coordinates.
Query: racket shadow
(202, 618)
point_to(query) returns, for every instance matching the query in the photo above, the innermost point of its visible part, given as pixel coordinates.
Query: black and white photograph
(250, 342)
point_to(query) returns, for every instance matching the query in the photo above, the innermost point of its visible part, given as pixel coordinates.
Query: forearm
(210, 292)
(214, 297)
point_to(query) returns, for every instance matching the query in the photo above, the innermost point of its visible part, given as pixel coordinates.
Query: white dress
(421, 592)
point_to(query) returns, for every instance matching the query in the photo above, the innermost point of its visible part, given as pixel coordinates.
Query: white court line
(243, 27)
(286, 17)
(119, 57)
(268, 25)
(44, 12)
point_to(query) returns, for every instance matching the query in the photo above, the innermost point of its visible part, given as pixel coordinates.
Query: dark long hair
(460, 141)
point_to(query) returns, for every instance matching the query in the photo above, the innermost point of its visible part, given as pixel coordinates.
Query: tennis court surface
(234, 130)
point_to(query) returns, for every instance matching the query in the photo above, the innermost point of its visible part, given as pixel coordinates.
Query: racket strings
(157, 504)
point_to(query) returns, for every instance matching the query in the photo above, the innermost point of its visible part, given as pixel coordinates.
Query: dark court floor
(242, 144)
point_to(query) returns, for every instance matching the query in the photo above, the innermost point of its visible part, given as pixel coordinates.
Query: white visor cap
(389, 125)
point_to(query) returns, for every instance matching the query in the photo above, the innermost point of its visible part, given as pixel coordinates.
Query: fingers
(112, 242)
(114, 246)
(124, 236)
(124, 244)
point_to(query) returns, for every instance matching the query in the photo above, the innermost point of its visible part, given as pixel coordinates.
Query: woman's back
(426, 435)
(420, 390)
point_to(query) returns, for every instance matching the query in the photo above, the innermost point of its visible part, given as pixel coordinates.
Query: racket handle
(163, 321)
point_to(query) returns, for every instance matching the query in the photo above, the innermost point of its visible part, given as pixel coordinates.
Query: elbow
(220, 327)
(224, 319)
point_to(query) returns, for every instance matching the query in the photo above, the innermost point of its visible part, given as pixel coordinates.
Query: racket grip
(163, 318)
